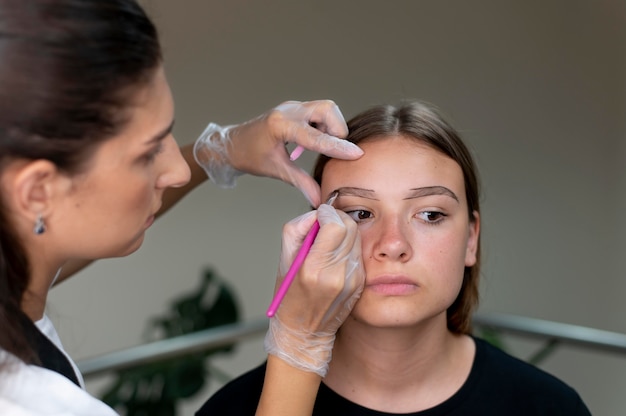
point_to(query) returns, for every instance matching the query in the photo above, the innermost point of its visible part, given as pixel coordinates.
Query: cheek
(126, 202)
(447, 257)
(140, 199)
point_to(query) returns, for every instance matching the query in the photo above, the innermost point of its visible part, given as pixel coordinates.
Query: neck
(399, 369)
(36, 294)
(44, 264)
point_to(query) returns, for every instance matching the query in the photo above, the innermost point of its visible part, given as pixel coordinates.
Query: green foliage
(492, 336)
(154, 389)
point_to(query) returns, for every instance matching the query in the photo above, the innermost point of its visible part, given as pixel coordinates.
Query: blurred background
(537, 88)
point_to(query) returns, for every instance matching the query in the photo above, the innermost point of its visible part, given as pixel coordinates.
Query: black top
(498, 384)
(49, 355)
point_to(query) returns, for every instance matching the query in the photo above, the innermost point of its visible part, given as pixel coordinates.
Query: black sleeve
(239, 397)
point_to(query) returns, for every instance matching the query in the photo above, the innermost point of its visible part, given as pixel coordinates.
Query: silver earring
(40, 226)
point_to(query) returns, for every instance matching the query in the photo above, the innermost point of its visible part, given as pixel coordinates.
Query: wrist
(303, 350)
(287, 390)
(211, 153)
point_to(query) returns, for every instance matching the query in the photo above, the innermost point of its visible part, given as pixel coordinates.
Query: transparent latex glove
(322, 295)
(258, 146)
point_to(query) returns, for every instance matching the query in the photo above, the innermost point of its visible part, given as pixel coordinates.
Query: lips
(392, 285)
(150, 221)
(152, 217)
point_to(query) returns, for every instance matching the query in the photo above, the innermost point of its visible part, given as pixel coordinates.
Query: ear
(33, 186)
(472, 240)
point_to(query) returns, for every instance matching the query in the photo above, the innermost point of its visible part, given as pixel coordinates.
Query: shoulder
(56, 395)
(239, 397)
(501, 365)
(508, 379)
(8, 407)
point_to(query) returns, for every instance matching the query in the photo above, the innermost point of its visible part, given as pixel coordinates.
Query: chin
(386, 317)
(130, 248)
(395, 313)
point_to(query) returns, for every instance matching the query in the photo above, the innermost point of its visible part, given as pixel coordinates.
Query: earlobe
(471, 251)
(32, 186)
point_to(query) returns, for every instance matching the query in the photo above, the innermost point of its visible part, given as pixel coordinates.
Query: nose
(393, 242)
(176, 172)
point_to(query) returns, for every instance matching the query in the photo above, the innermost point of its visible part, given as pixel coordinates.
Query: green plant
(154, 389)
(492, 336)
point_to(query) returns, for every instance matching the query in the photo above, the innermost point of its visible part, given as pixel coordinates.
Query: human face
(409, 202)
(106, 210)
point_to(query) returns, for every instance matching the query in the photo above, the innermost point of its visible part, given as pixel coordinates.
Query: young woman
(88, 161)
(407, 347)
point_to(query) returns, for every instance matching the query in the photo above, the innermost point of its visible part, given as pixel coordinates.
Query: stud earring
(40, 226)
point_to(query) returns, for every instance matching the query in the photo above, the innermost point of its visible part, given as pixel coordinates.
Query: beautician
(88, 161)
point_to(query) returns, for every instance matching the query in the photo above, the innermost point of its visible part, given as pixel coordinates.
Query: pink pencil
(297, 262)
(296, 153)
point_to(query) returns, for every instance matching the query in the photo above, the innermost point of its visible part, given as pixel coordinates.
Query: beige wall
(537, 88)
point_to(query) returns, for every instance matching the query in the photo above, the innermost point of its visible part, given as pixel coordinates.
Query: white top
(28, 390)
(47, 328)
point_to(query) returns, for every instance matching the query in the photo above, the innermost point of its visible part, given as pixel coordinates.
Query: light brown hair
(422, 122)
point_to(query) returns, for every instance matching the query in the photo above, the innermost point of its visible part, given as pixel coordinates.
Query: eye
(359, 215)
(150, 156)
(432, 217)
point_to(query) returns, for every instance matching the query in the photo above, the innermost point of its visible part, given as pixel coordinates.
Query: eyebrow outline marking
(415, 192)
(432, 190)
(358, 192)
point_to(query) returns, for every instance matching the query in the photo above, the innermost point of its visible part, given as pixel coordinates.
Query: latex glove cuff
(211, 153)
(304, 350)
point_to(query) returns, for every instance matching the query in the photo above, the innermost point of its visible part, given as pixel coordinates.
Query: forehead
(150, 111)
(395, 162)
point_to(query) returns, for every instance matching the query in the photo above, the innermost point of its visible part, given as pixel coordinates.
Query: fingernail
(352, 148)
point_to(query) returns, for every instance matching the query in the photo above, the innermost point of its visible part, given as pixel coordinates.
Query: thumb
(305, 183)
(320, 142)
(326, 214)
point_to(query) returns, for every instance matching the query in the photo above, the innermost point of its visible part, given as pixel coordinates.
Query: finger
(334, 235)
(328, 118)
(320, 142)
(306, 184)
(299, 226)
(326, 214)
(293, 235)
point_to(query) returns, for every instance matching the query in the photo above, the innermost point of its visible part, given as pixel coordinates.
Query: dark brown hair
(423, 123)
(68, 70)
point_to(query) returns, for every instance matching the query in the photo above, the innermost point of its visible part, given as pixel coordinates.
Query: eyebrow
(360, 192)
(415, 192)
(432, 190)
(162, 134)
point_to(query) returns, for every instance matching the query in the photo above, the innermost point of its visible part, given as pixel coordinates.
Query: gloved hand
(322, 295)
(258, 146)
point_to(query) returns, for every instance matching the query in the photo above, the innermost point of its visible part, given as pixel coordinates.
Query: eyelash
(153, 154)
(357, 211)
(424, 215)
(440, 217)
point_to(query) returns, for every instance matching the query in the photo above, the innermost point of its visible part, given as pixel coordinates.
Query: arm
(301, 334)
(258, 146)
(287, 390)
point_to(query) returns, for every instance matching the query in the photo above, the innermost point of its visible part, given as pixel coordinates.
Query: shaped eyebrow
(359, 192)
(432, 190)
(415, 192)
